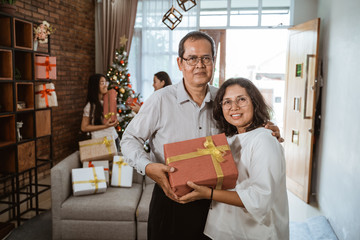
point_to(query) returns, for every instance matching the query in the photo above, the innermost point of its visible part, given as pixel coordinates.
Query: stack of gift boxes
(45, 69)
(97, 155)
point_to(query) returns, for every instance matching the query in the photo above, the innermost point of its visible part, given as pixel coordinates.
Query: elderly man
(178, 112)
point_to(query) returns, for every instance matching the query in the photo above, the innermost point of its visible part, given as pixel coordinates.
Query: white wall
(338, 175)
(304, 10)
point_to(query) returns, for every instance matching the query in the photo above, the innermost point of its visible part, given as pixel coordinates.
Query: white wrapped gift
(88, 181)
(122, 173)
(104, 163)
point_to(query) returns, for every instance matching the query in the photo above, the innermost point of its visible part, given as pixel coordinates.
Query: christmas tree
(119, 79)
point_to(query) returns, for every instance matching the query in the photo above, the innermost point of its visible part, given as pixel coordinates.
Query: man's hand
(200, 192)
(158, 173)
(276, 131)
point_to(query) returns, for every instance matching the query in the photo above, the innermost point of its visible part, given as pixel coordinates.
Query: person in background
(176, 113)
(92, 120)
(258, 206)
(161, 80)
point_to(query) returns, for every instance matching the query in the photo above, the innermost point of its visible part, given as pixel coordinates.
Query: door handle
(308, 56)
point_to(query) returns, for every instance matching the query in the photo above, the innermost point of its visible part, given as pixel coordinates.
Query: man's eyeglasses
(240, 101)
(192, 61)
(106, 83)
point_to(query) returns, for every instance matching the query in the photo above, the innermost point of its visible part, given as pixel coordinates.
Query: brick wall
(73, 44)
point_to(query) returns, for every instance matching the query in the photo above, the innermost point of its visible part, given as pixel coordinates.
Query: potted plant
(8, 6)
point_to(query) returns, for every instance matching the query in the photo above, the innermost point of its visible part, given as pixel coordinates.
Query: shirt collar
(183, 96)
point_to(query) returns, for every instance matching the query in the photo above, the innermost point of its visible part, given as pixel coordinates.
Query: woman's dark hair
(96, 108)
(163, 76)
(196, 35)
(261, 109)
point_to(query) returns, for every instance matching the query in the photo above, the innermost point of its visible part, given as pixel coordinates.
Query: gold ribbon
(108, 115)
(120, 163)
(96, 181)
(105, 141)
(216, 154)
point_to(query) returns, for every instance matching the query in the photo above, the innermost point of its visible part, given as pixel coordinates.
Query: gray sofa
(119, 213)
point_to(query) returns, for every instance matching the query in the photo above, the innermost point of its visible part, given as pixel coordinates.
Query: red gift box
(110, 107)
(206, 161)
(131, 101)
(45, 67)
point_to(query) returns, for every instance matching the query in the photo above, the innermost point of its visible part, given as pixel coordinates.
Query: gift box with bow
(206, 161)
(97, 149)
(110, 107)
(122, 173)
(104, 164)
(45, 67)
(88, 181)
(45, 96)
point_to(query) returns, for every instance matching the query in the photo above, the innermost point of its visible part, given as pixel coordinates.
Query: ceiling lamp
(172, 18)
(186, 5)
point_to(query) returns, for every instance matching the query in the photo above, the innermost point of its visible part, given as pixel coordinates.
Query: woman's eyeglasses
(240, 101)
(105, 83)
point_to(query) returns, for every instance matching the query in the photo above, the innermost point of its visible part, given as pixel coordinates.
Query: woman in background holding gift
(258, 207)
(92, 120)
(161, 80)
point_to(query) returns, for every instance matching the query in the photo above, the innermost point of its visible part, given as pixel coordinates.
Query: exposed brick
(73, 44)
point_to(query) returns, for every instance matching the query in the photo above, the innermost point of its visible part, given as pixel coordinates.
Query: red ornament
(133, 91)
(122, 62)
(119, 111)
(118, 128)
(116, 87)
(128, 74)
(129, 85)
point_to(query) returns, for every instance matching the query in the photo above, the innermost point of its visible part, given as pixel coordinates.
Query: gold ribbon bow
(95, 182)
(108, 115)
(216, 153)
(105, 141)
(120, 163)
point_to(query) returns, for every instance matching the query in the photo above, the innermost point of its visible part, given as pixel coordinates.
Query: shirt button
(200, 128)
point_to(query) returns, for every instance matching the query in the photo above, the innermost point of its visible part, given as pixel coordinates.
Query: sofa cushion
(142, 211)
(116, 204)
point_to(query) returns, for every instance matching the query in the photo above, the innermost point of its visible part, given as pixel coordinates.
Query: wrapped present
(104, 164)
(45, 96)
(132, 101)
(88, 181)
(206, 161)
(97, 149)
(45, 67)
(122, 173)
(110, 107)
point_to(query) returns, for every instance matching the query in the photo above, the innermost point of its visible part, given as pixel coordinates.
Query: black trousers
(170, 220)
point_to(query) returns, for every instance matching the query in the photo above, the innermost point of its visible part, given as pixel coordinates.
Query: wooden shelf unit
(21, 157)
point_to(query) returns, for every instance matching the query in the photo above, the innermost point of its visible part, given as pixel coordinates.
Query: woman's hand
(200, 192)
(110, 123)
(276, 131)
(135, 107)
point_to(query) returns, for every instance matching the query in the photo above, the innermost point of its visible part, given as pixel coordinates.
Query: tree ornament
(122, 90)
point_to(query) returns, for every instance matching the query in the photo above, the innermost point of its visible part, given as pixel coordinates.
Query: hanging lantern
(186, 5)
(172, 18)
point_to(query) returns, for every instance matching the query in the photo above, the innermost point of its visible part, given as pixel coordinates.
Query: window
(154, 47)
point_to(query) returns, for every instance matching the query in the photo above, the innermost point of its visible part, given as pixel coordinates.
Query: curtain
(155, 46)
(114, 19)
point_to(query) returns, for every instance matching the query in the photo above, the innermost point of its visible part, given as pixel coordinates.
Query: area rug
(314, 228)
(37, 228)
